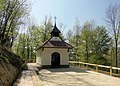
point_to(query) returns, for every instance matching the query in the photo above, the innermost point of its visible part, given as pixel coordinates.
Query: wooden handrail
(103, 66)
(115, 68)
(96, 65)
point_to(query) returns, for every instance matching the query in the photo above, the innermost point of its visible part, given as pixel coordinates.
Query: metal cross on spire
(55, 19)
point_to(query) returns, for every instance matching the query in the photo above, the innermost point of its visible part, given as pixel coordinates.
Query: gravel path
(64, 77)
(75, 77)
(29, 77)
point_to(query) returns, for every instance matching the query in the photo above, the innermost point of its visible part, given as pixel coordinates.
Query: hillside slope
(10, 65)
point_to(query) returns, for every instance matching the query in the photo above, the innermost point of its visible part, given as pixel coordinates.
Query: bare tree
(46, 28)
(69, 35)
(77, 31)
(112, 19)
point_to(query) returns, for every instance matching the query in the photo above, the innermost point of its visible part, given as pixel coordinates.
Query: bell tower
(55, 32)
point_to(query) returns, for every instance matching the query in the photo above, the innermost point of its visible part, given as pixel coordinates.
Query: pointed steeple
(55, 32)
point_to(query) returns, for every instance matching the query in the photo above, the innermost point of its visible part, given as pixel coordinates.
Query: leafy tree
(87, 38)
(101, 45)
(111, 53)
(91, 43)
(46, 28)
(31, 38)
(75, 39)
(12, 13)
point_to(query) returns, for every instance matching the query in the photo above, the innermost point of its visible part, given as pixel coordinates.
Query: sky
(67, 11)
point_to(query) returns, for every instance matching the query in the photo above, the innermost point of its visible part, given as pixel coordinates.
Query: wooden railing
(96, 66)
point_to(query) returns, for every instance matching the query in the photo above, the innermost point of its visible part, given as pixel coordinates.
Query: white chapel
(54, 53)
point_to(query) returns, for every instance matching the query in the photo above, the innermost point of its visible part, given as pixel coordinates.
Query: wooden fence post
(79, 65)
(110, 70)
(86, 66)
(75, 64)
(96, 68)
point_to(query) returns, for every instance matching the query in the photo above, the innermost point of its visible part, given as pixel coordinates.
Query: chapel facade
(54, 53)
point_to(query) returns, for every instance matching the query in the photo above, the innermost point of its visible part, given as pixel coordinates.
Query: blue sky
(67, 11)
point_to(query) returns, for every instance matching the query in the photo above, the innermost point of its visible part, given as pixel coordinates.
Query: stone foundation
(49, 66)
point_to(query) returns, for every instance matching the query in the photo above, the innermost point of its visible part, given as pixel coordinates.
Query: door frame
(55, 60)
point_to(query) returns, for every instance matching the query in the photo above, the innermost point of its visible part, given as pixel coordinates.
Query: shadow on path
(71, 69)
(64, 77)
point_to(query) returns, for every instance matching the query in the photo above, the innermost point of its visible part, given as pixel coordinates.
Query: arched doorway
(55, 60)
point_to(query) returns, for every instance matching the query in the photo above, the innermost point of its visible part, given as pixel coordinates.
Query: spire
(55, 19)
(55, 32)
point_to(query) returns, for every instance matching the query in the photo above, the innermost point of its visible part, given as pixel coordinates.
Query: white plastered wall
(46, 56)
(38, 56)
